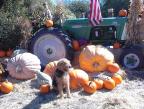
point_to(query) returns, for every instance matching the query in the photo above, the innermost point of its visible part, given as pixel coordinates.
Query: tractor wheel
(50, 44)
(132, 59)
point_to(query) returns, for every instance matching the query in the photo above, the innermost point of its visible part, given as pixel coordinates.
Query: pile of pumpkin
(92, 60)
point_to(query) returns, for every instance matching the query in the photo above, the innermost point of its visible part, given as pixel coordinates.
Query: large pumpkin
(95, 58)
(6, 87)
(50, 68)
(78, 78)
(90, 87)
(23, 66)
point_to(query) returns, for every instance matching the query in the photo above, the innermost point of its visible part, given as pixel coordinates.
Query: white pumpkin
(23, 66)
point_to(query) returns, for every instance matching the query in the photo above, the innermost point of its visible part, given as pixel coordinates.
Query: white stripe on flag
(95, 12)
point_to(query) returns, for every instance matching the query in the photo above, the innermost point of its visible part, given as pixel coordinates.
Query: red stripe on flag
(95, 12)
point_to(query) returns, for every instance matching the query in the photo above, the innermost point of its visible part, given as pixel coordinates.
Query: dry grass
(127, 95)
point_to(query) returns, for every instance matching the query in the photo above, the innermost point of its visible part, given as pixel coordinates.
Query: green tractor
(54, 43)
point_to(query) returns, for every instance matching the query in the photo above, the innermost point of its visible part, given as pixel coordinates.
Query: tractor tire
(131, 59)
(50, 44)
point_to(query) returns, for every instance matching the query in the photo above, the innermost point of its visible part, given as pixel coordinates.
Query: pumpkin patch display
(50, 68)
(117, 78)
(99, 83)
(95, 58)
(45, 88)
(109, 83)
(6, 87)
(90, 87)
(78, 78)
(113, 67)
(23, 66)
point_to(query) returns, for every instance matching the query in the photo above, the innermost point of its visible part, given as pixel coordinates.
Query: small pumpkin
(99, 83)
(113, 67)
(6, 87)
(78, 75)
(117, 78)
(50, 68)
(109, 83)
(116, 45)
(95, 58)
(90, 87)
(2, 53)
(44, 88)
(48, 23)
(9, 52)
(75, 45)
(123, 13)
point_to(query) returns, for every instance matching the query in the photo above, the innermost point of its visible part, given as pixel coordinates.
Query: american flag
(95, 16)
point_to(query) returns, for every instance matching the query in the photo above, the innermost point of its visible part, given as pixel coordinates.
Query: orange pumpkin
(123, 13)
(50, 68)
(45, 88)
(6, 87)
(9, 52)
(90, 87)
(48, 23)
(78, 77)
(117, 78)
(109, 83)
(113, 67)
(74, 84)
(2, 53)
(116, 45)
(75, 45)
(99, 83)
(95, 58)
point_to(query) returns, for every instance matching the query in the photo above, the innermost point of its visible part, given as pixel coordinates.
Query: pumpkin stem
(95, 64)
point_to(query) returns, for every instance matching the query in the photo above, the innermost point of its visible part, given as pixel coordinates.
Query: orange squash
(75, 45)
(99, 83)
(123, 13)
(48, 23)
(117, 78)
(78, 77)
(45, 88)
(2, 53)
(95, 58)
(109, 83)
(90, 87)
(6, 87)
(50, 68)
(113, 67)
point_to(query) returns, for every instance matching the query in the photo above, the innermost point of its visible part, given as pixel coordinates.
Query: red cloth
(95, 16)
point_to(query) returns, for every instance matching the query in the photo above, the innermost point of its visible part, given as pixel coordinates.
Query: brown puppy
(62, 76)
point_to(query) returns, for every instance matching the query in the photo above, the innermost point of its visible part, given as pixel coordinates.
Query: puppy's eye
(70, 67)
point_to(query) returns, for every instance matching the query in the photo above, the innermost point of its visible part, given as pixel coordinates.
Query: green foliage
(79, 7)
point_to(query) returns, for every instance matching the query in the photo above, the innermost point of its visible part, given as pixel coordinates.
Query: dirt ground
(128, 95)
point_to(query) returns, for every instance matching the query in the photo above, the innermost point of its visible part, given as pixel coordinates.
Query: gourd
(44, 88)
(23, 66)
(51, 68)
(113, 67)
(95, 58)
(123, 13)
(6, 87)
(90, 87)
(99, 83)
